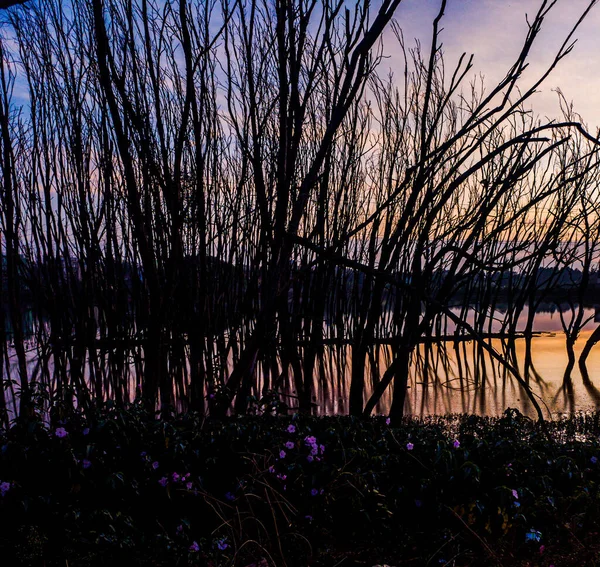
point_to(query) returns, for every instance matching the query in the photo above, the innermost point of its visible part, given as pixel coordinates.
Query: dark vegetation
(274, 490)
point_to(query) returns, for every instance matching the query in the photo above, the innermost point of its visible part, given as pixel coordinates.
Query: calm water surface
(465, 380)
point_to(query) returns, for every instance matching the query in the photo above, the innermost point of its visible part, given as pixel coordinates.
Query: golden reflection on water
(476, 384)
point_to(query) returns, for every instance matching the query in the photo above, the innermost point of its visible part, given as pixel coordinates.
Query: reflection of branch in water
(592, 340)
(568, 395)
(593, 392)
(536, 375)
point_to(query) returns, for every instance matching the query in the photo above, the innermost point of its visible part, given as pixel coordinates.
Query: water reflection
(471, 382)
(462, 377)
(447, 377)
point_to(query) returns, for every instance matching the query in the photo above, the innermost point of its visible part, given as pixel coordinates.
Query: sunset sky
(494, 31)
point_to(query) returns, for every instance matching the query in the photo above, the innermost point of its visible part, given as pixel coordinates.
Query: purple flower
(314, 450)
(194, 546)
(310, 440)
(314, 492)
(222, 545)
(188, 485)
(322, 448)
(310, 458)
(61, 432)
(180, 529)
(143, 454)
(515, 494)
(155, 465)
(4, 487)
(271, 469)
(86, 464)
(291, 429)
(86, 431)
(309, 518)
(289, 445)
(456, 444)
(594, 460)
(409, 446)
(282, 454)
(281, 476)
(175, 476)
(163, 481)
(229, 496)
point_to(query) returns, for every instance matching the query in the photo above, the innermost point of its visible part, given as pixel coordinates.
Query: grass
(299, 491)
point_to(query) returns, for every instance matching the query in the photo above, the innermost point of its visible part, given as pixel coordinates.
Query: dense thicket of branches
(209, 201)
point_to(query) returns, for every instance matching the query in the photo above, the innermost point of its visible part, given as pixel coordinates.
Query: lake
(446, 379)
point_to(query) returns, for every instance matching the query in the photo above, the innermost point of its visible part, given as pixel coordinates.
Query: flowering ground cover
(299, 491)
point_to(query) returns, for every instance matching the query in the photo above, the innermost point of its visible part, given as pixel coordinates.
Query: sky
(494, 31)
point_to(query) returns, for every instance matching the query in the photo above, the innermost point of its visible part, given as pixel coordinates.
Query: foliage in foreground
(296, 491)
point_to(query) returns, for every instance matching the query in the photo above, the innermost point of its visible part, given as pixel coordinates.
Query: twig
(485, 546)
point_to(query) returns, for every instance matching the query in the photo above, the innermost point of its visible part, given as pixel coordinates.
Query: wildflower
(594, 460)
(314, 450)
(322, 448)
(291, 429)
(86, 464)
(533, 535)
(456, 444)
(409, 446)
(515, 494)
(282, 454)
(271, 469)
(516, 504)
(281, 476)
(189, 485)
(86, 431)
(163, 481)
(387, 421)
(194, 546)
(4, 487)
(309, 518)
(185, 477)
(180, 529)
(310, 440)
(289, 445)
(229, 496)
(314, 492)
(155, 465)
(61, 432)
(222, 545)
(310, 458)
(143, 454)
(176, 477)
